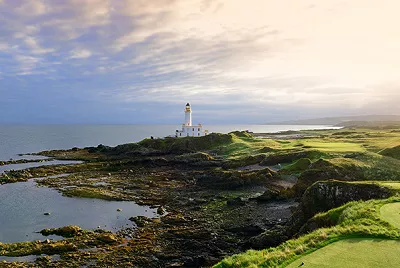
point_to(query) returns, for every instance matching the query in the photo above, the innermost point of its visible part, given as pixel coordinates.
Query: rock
(66, 231)
(174, 219)
(161, 210)
(325, 195)
(107, 238)
(238, 201)
(43, 259)
(140, 221)
(247, 230)
(270, 238)
(268, 195)
(221, 179)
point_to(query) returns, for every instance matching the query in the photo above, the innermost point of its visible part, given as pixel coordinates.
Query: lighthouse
(188, 115)
(188, 129)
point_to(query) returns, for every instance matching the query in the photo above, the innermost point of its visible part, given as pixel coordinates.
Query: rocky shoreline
(216, 196)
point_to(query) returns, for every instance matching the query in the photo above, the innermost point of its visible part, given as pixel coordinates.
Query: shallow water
(28, 258)
(37, 164)
(23, 204)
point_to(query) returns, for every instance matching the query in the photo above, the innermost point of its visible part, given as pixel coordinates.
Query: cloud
(30, 8)
(302, 55)
(27, 64)
(3, 46)
(80, 54)
(34, 46)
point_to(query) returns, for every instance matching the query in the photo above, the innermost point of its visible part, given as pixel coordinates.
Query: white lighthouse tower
(188, 115)
(189, 130)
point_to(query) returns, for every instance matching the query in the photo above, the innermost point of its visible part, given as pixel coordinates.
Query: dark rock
(66, 231)
(325, 195)
(270, 238)
(238, 201)
(268, 195)
(161, 210)
(140, 221)
(247, 230)
(107, 238)
(221, 179)
(323, 170)
(174, 219)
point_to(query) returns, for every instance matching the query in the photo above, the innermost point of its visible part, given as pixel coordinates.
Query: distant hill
(344, 120)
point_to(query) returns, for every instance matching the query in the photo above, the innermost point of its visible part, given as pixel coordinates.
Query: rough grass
(299, 165)
(356, 252)
(87, 192)
(355, 219)
(392, 152)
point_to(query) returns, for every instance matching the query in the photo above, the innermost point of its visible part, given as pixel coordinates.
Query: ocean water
(20, 139)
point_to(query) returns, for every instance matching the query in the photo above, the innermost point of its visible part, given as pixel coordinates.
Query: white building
(189, 130)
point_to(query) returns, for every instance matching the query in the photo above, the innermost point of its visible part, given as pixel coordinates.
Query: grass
(357, 151)
(87, 192)
(352, 220)
(356, 252)
(333, 146)
(391, 214)
(391, 152)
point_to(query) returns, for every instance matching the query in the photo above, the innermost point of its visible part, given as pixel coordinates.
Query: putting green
(391, 213)
(355, 252)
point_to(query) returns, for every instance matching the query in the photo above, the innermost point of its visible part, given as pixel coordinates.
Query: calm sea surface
(23, 205)
(19, 139)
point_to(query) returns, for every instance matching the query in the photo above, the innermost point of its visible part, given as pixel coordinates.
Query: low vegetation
(353, 220)
(225, 194)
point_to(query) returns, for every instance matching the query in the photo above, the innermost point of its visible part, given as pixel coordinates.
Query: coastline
(216, 195)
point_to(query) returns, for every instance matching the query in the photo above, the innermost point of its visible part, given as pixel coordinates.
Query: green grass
(299, 165)
(392, 152)
(391, 214)
(333, 146)
(392, 185)
(352, 220)
(356, 154)
(356, 252)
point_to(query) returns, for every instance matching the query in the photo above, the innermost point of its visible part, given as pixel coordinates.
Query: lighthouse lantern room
(189, 130)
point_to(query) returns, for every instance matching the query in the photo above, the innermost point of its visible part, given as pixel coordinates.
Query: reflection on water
(28, 258)
(23, 204)
(37, 164)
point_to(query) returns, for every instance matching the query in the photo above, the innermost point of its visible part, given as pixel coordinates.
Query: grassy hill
(348, 235)
(343, 120)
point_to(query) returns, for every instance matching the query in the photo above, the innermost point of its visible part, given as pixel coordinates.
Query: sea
(23, 139)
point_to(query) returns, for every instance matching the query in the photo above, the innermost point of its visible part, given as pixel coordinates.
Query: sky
(235, 61)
